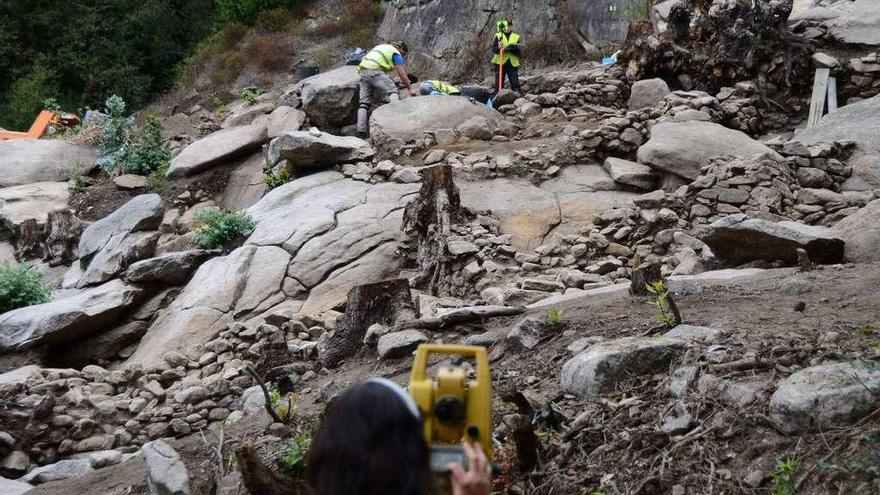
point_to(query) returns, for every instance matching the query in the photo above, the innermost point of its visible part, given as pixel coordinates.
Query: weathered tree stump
(384, 303)
(428, 220)
(62, 237)
(257, 477)
(642, 276)
(29, 243)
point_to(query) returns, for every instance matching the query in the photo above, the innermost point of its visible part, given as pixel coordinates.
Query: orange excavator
(41, 124)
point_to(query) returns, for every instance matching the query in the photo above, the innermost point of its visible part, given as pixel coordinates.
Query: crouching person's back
(370, 442)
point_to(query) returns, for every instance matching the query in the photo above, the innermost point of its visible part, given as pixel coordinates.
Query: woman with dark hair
(370, 442)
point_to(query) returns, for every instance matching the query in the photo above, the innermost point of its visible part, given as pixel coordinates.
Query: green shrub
(156, 179)
(149, 153)
(252, 96)
(294, 453)
(20, 286)
(553, 317)
(246, 10)
(218, 228)
(116, 136)
(274, 179)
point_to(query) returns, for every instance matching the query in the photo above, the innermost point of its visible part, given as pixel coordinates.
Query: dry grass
(271, 52)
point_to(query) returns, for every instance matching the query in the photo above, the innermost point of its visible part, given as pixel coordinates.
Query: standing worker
(374, 72)
(507, 49)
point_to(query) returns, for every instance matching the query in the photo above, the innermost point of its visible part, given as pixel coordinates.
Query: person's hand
(477, 480)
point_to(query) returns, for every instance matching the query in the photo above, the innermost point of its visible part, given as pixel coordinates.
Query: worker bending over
(512, 45)
(375, 81)
(429, 88)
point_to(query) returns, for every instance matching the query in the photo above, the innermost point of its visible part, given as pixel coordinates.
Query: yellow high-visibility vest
(446, 89)
(511, 39)
(380, 58)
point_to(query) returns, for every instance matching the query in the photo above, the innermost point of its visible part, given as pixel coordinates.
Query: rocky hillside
(278, 251)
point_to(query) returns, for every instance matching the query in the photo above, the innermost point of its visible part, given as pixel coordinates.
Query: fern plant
(20, 286)
(218, 228)
(553, 317)
(294, 453)
(660, 302)
(784, 477)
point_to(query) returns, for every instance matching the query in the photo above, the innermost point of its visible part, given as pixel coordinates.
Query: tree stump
(428, 220)
(259, 478)
(29, 243)
(384, 303)
(643, 275)
(62, 237)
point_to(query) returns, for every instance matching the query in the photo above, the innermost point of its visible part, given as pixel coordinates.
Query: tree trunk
(62, 237)
(428, 220)
(384, 303)
(30, 240)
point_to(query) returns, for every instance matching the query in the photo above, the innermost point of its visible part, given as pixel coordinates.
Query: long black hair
(369, 443)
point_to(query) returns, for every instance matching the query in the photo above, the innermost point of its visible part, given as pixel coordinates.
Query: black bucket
(306, 71)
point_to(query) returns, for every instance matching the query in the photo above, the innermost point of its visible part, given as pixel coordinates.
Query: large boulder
(601, 367)
(740, 239)
(13, 487)
(166, 472)
(683, 148)
(31, 201)
(170, 268)
(861, 233)
(62, 470)
(23, 161)
(860, 123)
(331, 99)
(119, 252)
(315, 149)
(647, 93)
(285, 119)
(316, 238)
(219, 147)
(246, 184)
(243, 113)
(411, 118)
(631, 173)
(827, 396)
(66, 319)
(851, 21)
(141, 213)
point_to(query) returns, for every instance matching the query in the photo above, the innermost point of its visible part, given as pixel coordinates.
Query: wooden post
(832, 94)
(820, 94)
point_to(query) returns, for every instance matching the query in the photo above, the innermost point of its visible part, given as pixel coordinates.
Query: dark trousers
(510, 72)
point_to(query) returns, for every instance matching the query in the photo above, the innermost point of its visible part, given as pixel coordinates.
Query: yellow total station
(454, 407)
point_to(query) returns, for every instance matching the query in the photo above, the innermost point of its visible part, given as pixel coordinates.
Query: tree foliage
(246, 10)
(83, 51)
